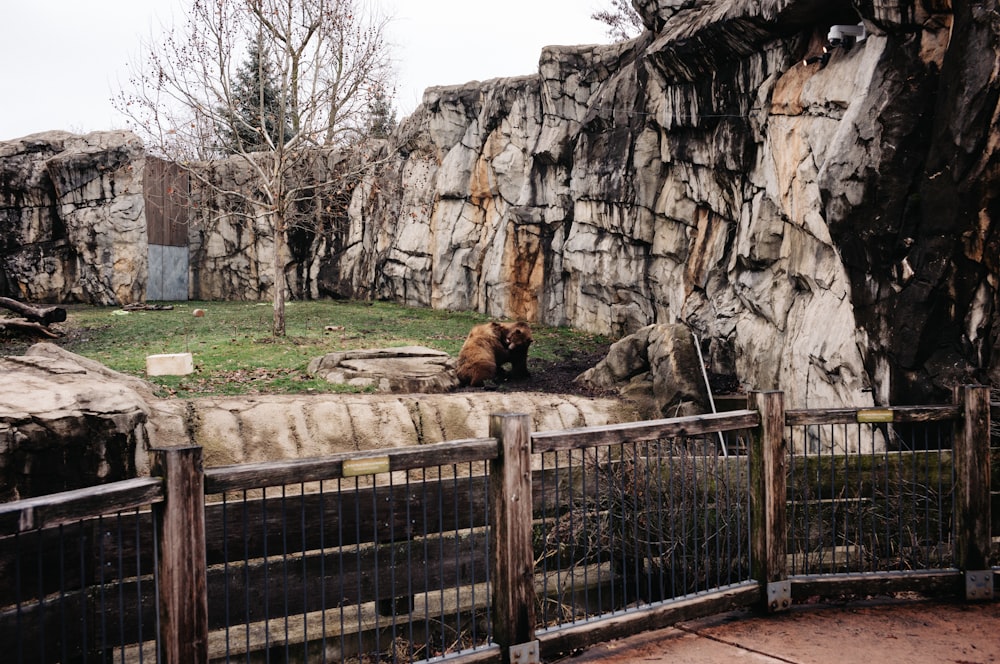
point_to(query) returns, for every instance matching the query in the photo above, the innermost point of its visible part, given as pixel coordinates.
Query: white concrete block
(169, 364)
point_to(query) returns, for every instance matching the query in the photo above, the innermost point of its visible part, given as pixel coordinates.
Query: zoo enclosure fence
(515, 547)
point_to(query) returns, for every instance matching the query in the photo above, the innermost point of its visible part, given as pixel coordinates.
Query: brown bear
(488, 347)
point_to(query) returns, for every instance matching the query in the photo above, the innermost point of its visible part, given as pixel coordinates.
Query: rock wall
(67, 422)
(828, 228)
(72, 222)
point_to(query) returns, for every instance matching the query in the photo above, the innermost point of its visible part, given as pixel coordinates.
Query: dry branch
(24, 325)
(43, 315)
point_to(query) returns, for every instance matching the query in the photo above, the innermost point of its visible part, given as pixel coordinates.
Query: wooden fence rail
(194, 537)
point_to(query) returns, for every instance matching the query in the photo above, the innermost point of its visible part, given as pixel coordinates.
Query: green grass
(235, 354)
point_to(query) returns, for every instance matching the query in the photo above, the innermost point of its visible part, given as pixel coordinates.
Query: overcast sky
(61, 61)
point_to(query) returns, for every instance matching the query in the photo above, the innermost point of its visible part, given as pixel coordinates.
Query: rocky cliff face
(72, 223)
(828, 228)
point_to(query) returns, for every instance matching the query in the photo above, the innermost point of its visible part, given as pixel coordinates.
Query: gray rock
(73, 218)
(829, 230)
(658, 368)
(64, 426)
(396, 370)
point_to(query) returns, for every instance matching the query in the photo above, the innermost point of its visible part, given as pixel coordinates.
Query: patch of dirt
(554, 376)
(876, 630)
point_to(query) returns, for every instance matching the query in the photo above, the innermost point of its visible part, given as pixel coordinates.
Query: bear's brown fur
(488, 347)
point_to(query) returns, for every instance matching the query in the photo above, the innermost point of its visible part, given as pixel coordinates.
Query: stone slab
(169, 364)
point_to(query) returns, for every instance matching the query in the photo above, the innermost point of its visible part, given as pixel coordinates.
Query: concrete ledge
(170, 364)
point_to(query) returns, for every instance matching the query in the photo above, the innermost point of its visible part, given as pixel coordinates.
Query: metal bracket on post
(779, 596)
(525, 653)
(979, 585)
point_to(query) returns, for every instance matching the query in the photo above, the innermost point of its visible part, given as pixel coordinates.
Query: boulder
(268, 428)
(658, 368)
(396, 370)
(64, 425)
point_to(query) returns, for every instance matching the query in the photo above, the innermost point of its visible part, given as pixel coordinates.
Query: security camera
(838, 33)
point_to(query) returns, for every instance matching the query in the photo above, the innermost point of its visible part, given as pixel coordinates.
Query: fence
(510, 548)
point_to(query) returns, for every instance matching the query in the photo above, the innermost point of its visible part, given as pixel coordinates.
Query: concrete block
(169, 364)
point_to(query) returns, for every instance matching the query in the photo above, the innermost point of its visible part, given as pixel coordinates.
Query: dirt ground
(872, 632)
(555, 377)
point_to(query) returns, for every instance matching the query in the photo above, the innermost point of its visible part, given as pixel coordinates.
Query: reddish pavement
(871, 632)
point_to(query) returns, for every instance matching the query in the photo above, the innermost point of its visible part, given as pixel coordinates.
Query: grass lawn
(234, 352)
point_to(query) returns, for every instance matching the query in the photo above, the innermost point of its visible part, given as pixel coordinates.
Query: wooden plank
(614, 434)
(177, 196)
(81, 623)
(813, 477)
(181, 572)
(153, 188)
(73, 556)
(972, 479)
(511, 550)
(251, 527)
(256, 475)
(900, 414)
(933, 583)
(563, 641)
(266, 588)
(69, 506)
(768, 539)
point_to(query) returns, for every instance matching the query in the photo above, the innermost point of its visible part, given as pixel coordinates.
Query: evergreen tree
(381, 114)
(257, 121)
(622, 20)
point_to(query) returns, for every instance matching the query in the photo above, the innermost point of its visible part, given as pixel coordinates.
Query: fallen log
(24, 325)
(43, 315)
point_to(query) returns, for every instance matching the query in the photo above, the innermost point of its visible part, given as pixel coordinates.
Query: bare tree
(622, 20)
(319, 66)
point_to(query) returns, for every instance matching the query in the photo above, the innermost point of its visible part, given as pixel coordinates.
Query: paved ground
(887, 632)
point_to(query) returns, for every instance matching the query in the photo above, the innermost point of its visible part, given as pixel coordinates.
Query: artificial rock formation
(830, 228)
(405, 369)
(68, 422)
(72, 222)
(658, 368)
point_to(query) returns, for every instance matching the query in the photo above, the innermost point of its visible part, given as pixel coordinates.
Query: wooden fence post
(972, 491)
(181, 567)
(768, 532)
(511, 550)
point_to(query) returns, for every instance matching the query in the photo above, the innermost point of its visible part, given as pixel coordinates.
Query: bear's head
(517, 336)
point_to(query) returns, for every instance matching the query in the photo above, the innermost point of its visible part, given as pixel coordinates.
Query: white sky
(61, 61)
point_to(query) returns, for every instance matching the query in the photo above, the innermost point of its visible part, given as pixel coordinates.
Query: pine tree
(622, 21)
(381, 114)
(257, 120)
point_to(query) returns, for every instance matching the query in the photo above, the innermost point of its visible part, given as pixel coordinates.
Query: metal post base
(978, 585)
(779, 596)
(525, 653)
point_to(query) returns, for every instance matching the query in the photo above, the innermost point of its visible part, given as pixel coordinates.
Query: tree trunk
(278, 327)
(43, 315)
